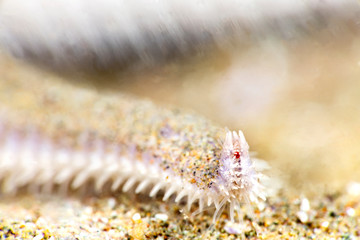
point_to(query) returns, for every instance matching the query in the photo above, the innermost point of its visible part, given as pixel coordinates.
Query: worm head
(238, 178)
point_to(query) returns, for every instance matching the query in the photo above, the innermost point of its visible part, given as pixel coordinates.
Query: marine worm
(54, 134)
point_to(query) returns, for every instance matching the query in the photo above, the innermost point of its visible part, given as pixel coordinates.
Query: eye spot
(236, 154)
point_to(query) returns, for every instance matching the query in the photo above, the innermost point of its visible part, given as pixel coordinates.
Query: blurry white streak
(105, 34)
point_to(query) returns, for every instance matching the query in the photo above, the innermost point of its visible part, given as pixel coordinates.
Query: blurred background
(286, 74)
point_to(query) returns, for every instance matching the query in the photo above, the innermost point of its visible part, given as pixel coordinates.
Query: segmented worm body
(56, 135)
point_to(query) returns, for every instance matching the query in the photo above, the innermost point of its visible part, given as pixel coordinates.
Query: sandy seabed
(304, 120)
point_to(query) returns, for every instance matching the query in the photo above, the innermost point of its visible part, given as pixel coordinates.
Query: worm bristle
(30, 159)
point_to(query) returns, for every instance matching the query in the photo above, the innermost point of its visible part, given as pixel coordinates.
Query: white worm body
(54, 135)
